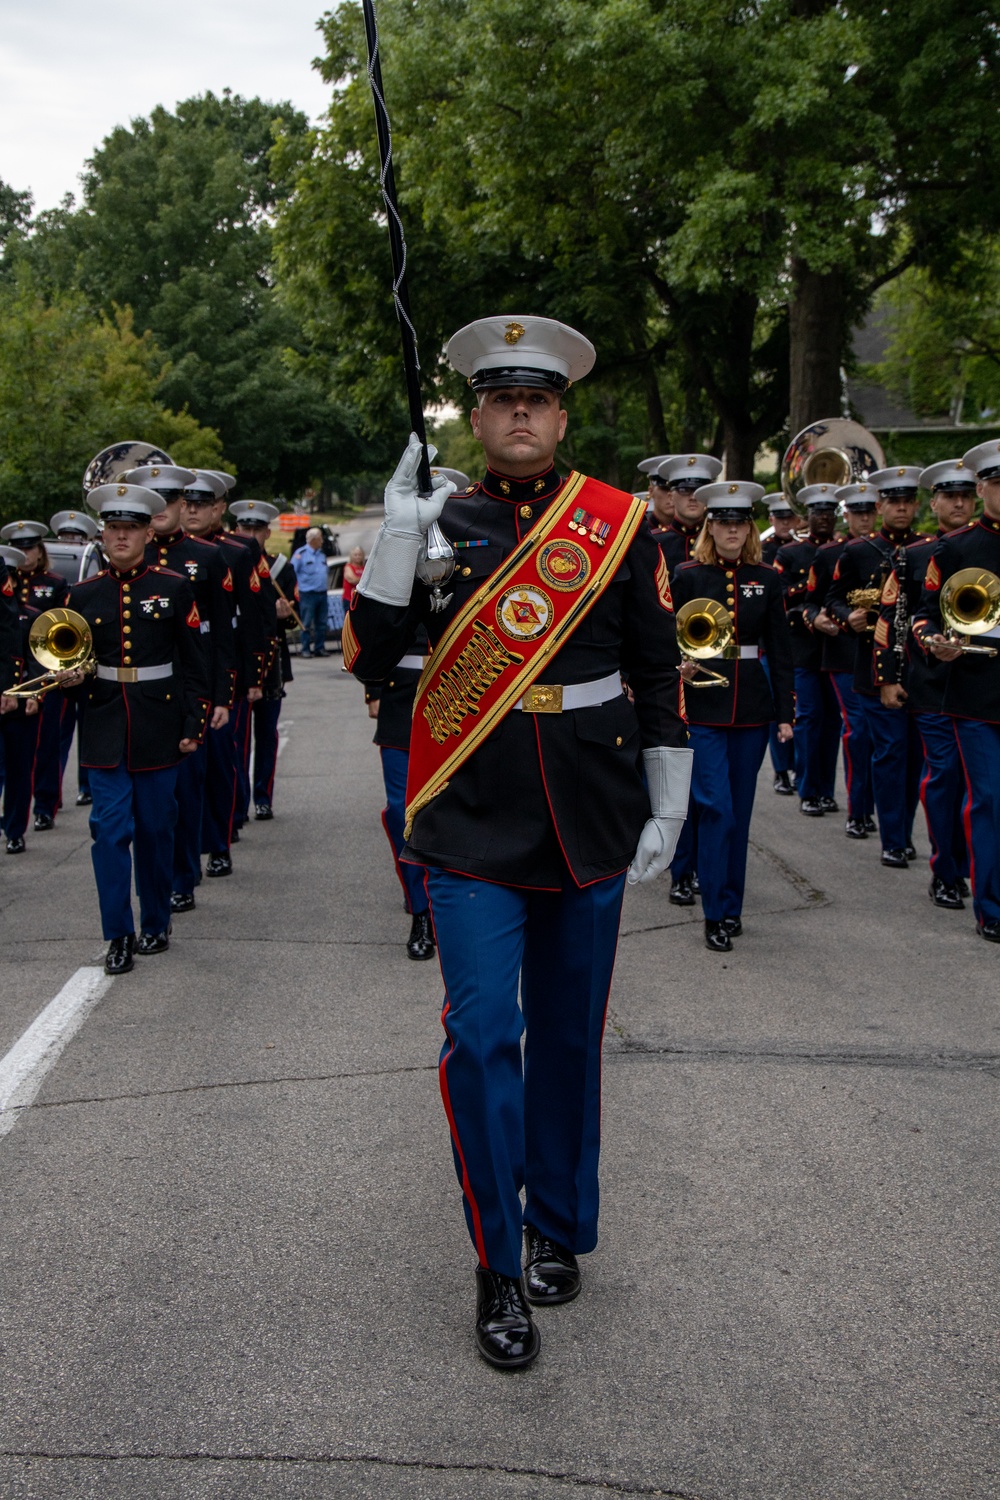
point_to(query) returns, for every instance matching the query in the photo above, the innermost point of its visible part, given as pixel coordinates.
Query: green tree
(72, 381)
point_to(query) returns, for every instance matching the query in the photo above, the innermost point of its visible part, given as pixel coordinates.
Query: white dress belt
(412, 663)
(749, 653)
(993, 634)
(551, 698)
(136, 674)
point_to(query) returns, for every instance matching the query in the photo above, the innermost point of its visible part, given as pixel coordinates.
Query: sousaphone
(835, 451)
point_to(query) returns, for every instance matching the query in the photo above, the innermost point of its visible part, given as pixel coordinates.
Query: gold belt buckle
(543, 698)
(128, 674)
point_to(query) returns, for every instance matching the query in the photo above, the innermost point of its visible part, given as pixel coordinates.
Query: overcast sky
(70, 70)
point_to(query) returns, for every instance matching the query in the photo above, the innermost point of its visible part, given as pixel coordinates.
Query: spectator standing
(353, 570)
(310, 571)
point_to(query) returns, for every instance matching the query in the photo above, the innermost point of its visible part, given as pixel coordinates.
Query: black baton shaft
(397, 245)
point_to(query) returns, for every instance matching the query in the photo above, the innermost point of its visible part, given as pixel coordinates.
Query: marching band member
(863, 568)
(729, 724)
(972, 687)
(817, 717)
(783, 519)
(19, 717)
(147, 706)
(909, 679)
(684, 474)
(76, 527)
(526, 801)
(259, 721)
(661, 500)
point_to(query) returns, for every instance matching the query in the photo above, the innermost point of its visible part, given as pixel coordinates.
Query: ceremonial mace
(436, 563)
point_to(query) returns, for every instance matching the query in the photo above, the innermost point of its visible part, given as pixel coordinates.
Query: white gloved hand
(668, 777)
(392, 562)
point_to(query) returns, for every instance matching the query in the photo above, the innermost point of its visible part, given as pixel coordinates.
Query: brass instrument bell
(835, 451)
(970, 605)
(705, 629)
(60, 640)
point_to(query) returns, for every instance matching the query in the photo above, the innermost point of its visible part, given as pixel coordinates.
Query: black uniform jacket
(792, 562)
(865, 562)
(752, 594)
(23, 664)
(10, 630)
(143, 618)
(770, 548)
(922, 675)
(543, 790)
(275, 570)
(395, 700)
(836, 651)
(972, 683)
(41, 590)
(242, 583)
(676, 542)
(202, 564)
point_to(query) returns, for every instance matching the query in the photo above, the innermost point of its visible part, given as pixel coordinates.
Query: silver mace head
(435, 565)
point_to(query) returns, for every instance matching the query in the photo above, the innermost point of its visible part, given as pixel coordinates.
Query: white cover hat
(125, 502)
(737, 496)
(524, 350)
(253, 512)
(904, 479)
(949, 474)
(984, 459)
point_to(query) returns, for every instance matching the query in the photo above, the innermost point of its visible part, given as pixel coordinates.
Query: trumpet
(61, 641)
(970, 605)
(705, 629)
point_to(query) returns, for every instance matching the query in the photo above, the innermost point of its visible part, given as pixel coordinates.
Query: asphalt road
(232, 1255)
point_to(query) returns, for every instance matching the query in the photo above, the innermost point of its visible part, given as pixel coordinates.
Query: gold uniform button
(126, 630)
(466, 572)
(525, 512)
(618, 740)
(126, 614)
(127, 661)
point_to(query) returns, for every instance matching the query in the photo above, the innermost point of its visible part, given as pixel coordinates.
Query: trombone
(970, 605)
(59, 640)
(705, 629)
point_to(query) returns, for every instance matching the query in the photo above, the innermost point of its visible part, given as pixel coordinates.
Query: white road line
(31, 1057)
(283, 725)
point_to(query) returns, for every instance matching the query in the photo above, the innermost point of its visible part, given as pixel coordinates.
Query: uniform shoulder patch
(836, 569)
(8, 589)
(932, 578)
(349, 644)
(227, 582)
(254, 581)
(262, 568)
(194, 618)
(890, 592)
(663, 585)
(811, 584)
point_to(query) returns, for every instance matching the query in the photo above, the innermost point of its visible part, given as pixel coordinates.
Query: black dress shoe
(43, 822)
(219, 864)
(182, 901)
(234, 837)
(682, 892)
(947, 896)
(15, 846)
(989, 930)
(829, 804)
(505, 1333)
(812, 807)
(551, 1272)
(717, 939)
(783, 784)
(855, 828)
(895, 859)
(263, 812)
(119, 956)
(420, 943)
(153, 942)
(732, 925)
(869, 823)
(962, 886)
(910, 852)
(83, 799)
(695, 882)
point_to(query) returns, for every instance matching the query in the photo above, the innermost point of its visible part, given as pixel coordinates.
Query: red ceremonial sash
(524, 612)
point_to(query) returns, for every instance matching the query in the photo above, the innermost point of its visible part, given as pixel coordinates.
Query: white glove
(668, 777)
(392, 562)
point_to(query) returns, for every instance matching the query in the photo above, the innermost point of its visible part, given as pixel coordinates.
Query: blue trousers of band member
(817, 734)
(314, 610)
(242, 722)
(191, 774)
(411, 877)
(533, 1124)
(897, 759)
(220, 791)
(266, 714)
(782, 754)
(18, 742)
(48, 768)
(685, 860)
(132, 818)
(979, 743)
(723, 784)
(942, 791)
(72, 719)
(857, 747)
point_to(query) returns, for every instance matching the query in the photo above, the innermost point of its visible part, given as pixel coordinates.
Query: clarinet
(901, 618)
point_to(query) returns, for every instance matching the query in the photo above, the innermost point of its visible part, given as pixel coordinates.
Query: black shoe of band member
(181, 901)
(695, 883)
(119, 958)
(43, 822)
(15, 846)
(869, 823)
(895, 859)
(219, 864)
(420, 943)
(551, 1272)
(812, 807)
(152, 942)
(263, 812)
(911, 853)
(962, 886)
(83, 799)
(506, 1335)
(947, 896)
(854, 828)
(682, 892)
(829, 804)
(989, 930)
(717, 939)
(732, 925)
(783, 784)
